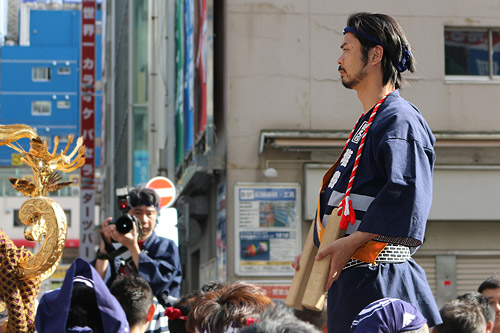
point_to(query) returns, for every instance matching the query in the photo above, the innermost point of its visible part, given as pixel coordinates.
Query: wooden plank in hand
(314, 295)
(300, 278)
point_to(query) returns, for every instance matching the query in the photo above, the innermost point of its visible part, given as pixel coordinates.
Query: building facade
(40, 87)
(274, 117)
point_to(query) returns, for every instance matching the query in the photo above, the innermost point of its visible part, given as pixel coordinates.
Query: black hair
(185, 303)
(392, 38)
(318, 319)
(83, 310)
(144, 197)
(134, 295)
(485, 304)
(461, 316)
(493, 282)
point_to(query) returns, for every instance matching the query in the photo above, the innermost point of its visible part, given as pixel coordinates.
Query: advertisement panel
(267, 228)
(179, 82)
(188, 76)
(201, 66)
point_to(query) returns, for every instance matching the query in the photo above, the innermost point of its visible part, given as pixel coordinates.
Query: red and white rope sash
(345, 207)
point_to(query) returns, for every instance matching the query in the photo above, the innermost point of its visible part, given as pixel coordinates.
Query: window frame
(66, 70)
(36, 70)
(65, 107)
(33, 113)
(488, 79)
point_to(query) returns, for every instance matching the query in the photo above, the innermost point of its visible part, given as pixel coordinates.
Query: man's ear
(151, 313)
(489, 326)
(376, 54)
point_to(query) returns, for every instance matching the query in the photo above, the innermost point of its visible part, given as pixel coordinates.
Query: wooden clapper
(308, 284)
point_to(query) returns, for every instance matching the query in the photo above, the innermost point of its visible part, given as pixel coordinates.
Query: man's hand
(129, 240)
(106, 231)
(295, 262)
(341, 251)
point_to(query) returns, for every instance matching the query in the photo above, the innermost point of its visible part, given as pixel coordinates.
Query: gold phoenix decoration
(21, 271)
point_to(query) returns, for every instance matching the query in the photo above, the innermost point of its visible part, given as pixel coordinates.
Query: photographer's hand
(129, 240)
(106, 231)
(101, 265)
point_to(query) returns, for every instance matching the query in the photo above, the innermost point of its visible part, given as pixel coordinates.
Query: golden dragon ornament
(21, 272)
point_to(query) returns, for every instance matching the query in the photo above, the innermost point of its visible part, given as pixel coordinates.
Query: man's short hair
(279, 319)
(485, 304)
(135, 296)
(493, 282)
(144, 197)
(380, 29)
(461, 316)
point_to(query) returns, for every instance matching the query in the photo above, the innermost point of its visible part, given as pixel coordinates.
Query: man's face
(494, 296)
(352, 68)
(147, 215)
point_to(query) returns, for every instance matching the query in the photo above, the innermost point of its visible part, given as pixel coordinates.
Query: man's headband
(400, 64)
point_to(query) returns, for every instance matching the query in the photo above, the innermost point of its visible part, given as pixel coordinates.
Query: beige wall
(281, 73)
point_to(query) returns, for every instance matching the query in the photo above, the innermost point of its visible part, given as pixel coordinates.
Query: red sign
(276, 292)
(87, 123)
(165, 189)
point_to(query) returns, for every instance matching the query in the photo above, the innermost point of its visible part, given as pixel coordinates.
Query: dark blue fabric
(388, 315)
(54, 306)
(159, 265)
(394, 174)
(359, 286)
(391, 196)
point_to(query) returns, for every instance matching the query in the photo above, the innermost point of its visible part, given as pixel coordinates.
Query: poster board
(267, 228)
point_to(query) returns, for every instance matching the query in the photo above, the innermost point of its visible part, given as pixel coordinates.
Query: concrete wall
(281, 73)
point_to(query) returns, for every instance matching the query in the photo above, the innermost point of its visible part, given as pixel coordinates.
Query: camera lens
(124, 224)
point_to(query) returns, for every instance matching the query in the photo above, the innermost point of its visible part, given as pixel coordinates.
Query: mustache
(341, 68)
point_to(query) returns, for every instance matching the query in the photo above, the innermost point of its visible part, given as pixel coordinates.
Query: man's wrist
(102, 255)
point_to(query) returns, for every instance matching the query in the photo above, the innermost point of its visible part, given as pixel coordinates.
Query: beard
(354, 81)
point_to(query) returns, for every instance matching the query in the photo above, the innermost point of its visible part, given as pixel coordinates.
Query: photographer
(154, 258)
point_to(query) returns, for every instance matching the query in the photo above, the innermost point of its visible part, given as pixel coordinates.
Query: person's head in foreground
(279, 319)
(82, 304)
(227, 309)
(136, 298)
(461, 316)
(389, 315)
(490, 289)
(486, 307)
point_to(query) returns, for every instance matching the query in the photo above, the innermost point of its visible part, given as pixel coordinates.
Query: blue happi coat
(391, 196)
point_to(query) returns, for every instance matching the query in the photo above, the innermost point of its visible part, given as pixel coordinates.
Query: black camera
(125, 223)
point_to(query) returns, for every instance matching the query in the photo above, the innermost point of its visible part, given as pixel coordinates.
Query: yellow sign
(16, 159)
(60, 272)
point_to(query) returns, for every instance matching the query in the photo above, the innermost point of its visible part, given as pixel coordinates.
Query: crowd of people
(85, 304)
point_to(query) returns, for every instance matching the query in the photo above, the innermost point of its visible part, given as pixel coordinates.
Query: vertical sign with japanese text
(87, 123)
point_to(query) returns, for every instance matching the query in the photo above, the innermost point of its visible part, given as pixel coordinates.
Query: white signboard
(267, 226)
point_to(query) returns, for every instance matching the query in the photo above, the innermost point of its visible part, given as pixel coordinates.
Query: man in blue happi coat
(382, 184)
(154, 258)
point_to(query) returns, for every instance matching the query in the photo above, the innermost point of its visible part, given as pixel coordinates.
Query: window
(40, 108)
(18, 223)
(41, 73)
(63, 104)
(64, 71)
(472, 52)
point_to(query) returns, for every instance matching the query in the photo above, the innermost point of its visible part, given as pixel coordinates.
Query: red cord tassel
(348, 216)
